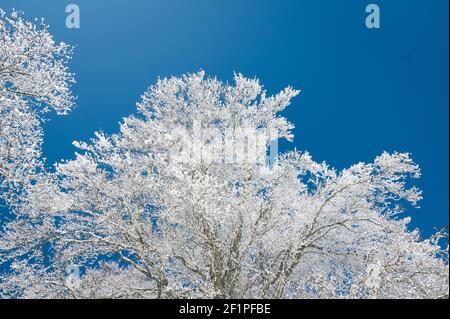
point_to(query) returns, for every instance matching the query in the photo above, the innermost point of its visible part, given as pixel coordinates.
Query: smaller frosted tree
(33, 80)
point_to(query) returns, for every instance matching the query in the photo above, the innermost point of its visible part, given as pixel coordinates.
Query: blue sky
(363, 91)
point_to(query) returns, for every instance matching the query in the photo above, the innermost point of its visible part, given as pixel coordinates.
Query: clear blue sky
(363, 91)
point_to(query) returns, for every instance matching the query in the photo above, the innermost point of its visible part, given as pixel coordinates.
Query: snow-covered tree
(181, 203)
(33, 80)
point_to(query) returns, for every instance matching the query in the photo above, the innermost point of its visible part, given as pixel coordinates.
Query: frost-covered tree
(181, 203)
(33, 80)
